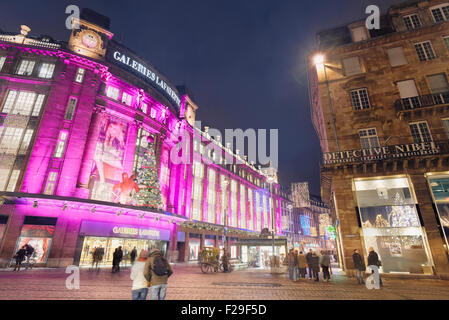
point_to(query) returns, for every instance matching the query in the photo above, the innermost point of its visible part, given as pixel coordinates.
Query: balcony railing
(418, 102)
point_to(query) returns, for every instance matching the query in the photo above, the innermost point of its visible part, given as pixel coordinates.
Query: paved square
(188, 283)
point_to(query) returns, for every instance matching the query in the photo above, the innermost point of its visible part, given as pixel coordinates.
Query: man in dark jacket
(29, 254)
(116, 259)
(359, 266)
(308, 259)
(133, 255)
(315, 266)
(20, 256)
(158, 288)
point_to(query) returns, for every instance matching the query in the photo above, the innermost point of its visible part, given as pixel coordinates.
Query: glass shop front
(439, 184)
(108, 236)
(391, 225)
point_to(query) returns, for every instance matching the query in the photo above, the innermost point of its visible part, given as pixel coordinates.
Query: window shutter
(352, 66)
(396, 56)
(407, 89)
(438, 83)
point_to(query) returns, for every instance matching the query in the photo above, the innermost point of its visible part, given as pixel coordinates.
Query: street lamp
(319, 62)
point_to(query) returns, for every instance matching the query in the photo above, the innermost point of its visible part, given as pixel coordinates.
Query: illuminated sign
(114, 230)
(147, 74)
(381, 153)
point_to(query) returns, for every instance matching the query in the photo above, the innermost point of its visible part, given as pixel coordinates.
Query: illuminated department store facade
(86, 131)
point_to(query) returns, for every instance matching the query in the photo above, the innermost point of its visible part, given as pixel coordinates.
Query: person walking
(315, 266)
(133, 255)
(29, 254)
(302, 265)
(374, 264)
(296, 266)
(140, 285)
(157, 271)
(325, 262)
(116, 259)
(19, 257)
(291, 263)
(359, 266)
(309, 263)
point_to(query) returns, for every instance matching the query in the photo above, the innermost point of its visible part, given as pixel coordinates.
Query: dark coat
(314, 262)
(373, 259)
(133, 254)
(117, 257)
(308, 257)
(20, 255)
(359, 264)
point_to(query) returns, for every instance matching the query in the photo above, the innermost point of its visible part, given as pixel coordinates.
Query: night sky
(244, 61)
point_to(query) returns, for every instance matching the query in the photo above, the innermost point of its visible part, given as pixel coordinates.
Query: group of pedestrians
(299, 263)
(25, 252)
(151, 270)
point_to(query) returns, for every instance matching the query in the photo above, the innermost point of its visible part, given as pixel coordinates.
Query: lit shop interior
(257, 253)
(391, 225)
(110, 244)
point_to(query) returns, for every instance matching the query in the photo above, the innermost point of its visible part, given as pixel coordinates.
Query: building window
(439, 88)
(420, 132)
(359, 99)
(396, 56)
(234, 203)
(80, 75)
(412, 22)
(46, 70)
(211, 195)
(112, 92)
(23, 103)
(60, 147)
(11, 140)
(425, 51)
(359, 34)
(70, 111)
(26, 141)
(153, 113)
(351, 66)
(26, 67)
(368, 138)
(409, 94)
(446, 126)
(127, 99)
(51, 183)
(440, 13)
(144, 107)
(2, 62)
(242, 206)
(13, 181)
(446, 41)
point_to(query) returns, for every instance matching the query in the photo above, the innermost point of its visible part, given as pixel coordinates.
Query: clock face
(90, 40)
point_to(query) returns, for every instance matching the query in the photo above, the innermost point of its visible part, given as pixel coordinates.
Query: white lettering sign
(136, 231)
(148, 74)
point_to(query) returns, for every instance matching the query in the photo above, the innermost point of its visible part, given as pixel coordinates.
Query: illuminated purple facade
(86, 132)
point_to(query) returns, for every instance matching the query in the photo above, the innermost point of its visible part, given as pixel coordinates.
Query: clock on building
(90, 39)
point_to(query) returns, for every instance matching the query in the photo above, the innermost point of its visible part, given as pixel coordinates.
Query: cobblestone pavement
(188, 283)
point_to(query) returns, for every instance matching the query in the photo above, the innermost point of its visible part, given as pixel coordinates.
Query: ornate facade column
(82, 188)
(130, 152)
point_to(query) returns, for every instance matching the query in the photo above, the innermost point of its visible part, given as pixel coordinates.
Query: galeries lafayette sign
(381, 153)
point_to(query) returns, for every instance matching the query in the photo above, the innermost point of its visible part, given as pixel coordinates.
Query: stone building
(380, 106)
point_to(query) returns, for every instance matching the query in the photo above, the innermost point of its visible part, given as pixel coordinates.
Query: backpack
(160, 266)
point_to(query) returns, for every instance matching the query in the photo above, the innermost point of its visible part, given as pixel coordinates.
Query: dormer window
(26, 67)
(359, 33)
(127, 99)
(412, 22)
(112, 92)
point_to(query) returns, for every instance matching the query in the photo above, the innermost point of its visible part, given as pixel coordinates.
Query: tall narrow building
(380, 106)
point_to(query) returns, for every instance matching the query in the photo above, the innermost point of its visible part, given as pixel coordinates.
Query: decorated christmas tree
(148, 181)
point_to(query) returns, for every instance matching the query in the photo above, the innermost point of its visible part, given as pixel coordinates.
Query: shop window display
(40, 237)
(440, 191)
(194, 248)
(391, 225)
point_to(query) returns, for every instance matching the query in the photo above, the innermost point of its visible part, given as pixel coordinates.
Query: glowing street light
(318, 59)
